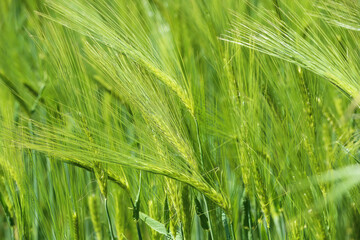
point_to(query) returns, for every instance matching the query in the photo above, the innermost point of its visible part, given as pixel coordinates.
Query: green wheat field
(179, 119)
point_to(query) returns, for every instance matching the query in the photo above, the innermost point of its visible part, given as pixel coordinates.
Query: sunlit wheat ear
(142, 94)
(342, 14)
(316, 53)
(114, 33)
(261, 193)
(171, 83)
(101, 178)
(149, 162)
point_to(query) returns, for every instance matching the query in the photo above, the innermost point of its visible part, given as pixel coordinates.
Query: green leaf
(203, 219)
(226, 226)
(155, 225)
(166, 214)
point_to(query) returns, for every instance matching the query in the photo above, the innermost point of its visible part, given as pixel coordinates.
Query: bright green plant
(151, 119)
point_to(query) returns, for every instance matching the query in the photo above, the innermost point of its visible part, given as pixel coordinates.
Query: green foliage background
(179, 119)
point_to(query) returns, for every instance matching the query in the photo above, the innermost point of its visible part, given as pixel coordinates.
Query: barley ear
(101, 178)
(95, 216)
(75, 226)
